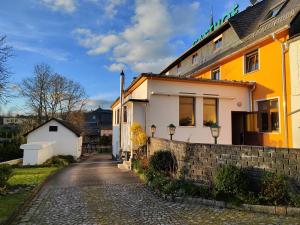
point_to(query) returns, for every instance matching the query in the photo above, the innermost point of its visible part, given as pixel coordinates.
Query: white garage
(54, 137)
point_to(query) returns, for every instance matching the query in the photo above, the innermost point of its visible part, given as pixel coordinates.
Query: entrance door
(245, 129)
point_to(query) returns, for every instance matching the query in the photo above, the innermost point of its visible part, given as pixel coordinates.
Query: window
(268, 115)
(218, 43)
(125, 114)
(194, 58)
(53, 128)
(186, 111)
(215, 74)
(179, 68)
(251, 62)
(274, 12)
(210, 111)
(118, 116)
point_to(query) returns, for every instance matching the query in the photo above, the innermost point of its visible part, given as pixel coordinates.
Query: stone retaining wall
(200, 161)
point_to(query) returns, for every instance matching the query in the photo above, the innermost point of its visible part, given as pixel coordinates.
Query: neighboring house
(12, 120)
(97, 123)
(58, 136)
(243, 74)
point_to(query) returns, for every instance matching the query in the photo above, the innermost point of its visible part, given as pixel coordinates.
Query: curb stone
(273, 210)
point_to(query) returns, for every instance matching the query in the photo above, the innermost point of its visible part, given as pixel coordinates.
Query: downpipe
(284, 49)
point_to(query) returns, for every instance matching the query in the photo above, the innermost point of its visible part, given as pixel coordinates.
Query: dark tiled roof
(250, 25)
(76, 130)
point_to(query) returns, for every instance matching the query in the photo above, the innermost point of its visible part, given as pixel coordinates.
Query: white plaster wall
(115, 140)
(66, 142)
(295, 90)
(164, 110)
(36, 153)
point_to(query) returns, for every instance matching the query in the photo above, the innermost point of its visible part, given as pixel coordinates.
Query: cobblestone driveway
(96, 192)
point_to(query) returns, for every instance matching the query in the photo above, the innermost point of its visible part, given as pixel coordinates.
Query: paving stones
(125, 203)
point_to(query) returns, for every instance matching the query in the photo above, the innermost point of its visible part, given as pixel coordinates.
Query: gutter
(284, 49)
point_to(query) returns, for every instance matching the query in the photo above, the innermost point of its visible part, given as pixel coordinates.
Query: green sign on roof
(217, 24)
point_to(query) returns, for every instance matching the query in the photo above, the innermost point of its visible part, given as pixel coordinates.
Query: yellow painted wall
(268, 79)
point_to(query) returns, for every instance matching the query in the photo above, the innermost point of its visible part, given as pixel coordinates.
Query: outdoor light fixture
(215, 131)
(172, 129)
(153, 129)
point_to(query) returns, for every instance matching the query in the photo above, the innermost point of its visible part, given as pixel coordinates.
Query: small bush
(273, 189)
(59, 160)
(171, 188)
(5, 173)
(230, 181)
(159, 182)
(163, 162)
(294, 199)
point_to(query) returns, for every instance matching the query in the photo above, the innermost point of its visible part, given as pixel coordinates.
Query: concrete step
(125, 165)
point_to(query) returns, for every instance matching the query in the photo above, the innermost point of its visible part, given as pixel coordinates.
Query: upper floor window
(194, 58)
(215, 74)
(218, 42)
(274, 11)
(125, 114)
(186, 111)
(179, 68)
(53, 128)
(251, 62)
(268, 115)
(210, 111)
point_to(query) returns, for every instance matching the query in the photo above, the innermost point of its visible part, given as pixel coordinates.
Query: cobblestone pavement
(117, 197)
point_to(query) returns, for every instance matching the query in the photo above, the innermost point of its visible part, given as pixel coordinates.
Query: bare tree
(5, 54)
(52, 95)
(36, 90)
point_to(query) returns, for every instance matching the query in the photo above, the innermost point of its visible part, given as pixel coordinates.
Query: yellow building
(253, 45)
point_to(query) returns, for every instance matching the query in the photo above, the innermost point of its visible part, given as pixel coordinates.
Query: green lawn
(22, 176)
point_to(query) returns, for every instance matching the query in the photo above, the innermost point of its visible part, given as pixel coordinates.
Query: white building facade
(192, 105)
(294, 54)
(54, 137)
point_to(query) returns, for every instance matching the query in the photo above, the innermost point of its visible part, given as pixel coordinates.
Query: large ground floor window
(268, 115)
(210, 111)
(186, 111)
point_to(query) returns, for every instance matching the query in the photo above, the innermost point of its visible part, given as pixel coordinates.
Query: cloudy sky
(90, 41)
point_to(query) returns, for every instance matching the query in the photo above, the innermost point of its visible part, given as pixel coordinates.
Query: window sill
(187, 126)
(270, 132)
(248, 73)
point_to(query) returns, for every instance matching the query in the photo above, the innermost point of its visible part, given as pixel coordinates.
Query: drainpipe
(251, 97)
(122, 75)
(284, 48)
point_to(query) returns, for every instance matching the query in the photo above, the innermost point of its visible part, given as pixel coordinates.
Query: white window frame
(279, 113)
(215, 68)
(245, 57)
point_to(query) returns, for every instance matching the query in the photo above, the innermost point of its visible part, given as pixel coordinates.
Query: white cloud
(116, 67)
(111, 7)
(50, 53)
(145, 45)
(62, 5)
(98, 44)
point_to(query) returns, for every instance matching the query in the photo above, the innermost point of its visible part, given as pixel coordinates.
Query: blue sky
(90, 41)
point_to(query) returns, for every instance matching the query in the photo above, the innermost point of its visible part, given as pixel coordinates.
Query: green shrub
(230, 181)
(5, 173)
(273, 189)
(10, 151)
(159, 182)
(59, 160)
(171, 188)
(69, 158)
(163, 162)
(294, 199)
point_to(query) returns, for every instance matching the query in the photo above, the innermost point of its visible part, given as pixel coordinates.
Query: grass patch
(22, 177)
(30, 176)
(9, 202)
